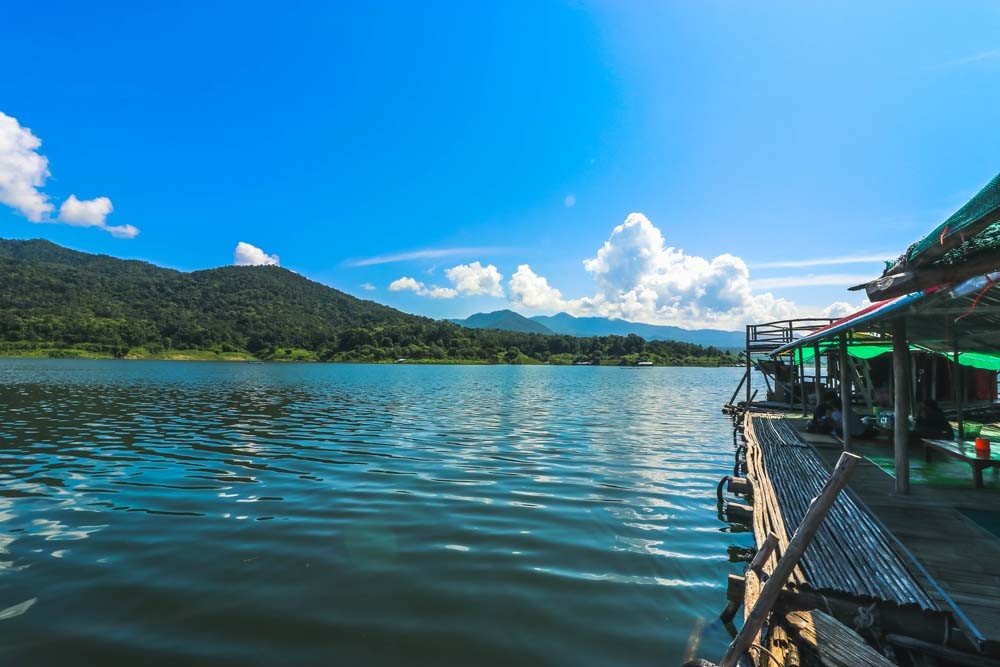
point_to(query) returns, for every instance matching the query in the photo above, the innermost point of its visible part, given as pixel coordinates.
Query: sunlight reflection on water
(295, 514)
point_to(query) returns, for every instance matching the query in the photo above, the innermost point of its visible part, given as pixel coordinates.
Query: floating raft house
(903, 570)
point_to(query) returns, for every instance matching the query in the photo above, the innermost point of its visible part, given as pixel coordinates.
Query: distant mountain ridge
(564, 323)
(505, 320)
(59, 302)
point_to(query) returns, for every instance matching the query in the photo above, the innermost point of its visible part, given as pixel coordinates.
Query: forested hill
(60, 302)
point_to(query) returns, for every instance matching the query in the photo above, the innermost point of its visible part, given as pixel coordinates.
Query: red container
(982, 445)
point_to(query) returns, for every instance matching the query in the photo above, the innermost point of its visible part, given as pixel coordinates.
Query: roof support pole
(802, 384)
(819, 398)
(958, 385)
(749, 368)
(845, 393)
(934, 372)
(901, 375)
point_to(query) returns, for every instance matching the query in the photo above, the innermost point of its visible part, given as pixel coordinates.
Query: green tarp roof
(981, 360)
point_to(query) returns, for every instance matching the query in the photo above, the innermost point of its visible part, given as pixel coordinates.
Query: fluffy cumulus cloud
(475, 279)
(468, 279)
(639, 277)
(840, 309)
(407, 283)
(93, 213)
(250, 255)
(531, 290)
(23, 172)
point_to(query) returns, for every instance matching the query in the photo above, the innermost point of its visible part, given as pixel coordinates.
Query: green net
(987, 201)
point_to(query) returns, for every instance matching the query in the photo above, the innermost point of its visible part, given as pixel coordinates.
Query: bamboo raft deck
(907, 571)
(851, 555)
(961, 556)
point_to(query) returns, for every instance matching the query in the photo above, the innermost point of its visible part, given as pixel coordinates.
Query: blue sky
(443, 135)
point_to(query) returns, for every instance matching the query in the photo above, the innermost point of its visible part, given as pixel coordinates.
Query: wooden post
(811, 522)
(901, 373)
(819, 398)
(749, 367)
(845, 393)
(958, 387)
(934, 371)
(802, 384)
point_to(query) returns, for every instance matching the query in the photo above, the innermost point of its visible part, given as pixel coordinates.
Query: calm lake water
(212, 513)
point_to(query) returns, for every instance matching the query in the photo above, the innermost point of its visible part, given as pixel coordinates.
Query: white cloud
(813, 280)
(86, 213)
(976, 57)
(250, 255)
(430, 253)
(93, 213)
(368, 287)
(839, 309)
(531, 290)
(823, 261)
(23, 172)
(475, 279)
(407, 283)
(435, 292)
(639, 278)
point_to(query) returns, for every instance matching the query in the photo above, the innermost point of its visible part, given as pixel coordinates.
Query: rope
(989, 283)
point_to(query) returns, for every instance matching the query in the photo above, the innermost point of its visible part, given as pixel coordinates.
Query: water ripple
(304, 514)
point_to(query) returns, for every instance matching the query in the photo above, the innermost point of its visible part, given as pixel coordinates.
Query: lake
(224, 513)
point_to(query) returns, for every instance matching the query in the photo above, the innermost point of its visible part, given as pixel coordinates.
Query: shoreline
(246, 357)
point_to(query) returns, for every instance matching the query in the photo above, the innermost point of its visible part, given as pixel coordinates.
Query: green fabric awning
(982, 360)
(856, 351)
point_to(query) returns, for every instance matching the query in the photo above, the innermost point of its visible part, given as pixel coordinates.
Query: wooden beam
(816, 370)
(958, 385)
(749, 368)
(915, 280)
(901, 375)
(845, 393)
(802, 384)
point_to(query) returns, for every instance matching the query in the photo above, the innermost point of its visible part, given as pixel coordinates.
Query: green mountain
(507, 320)
(565, 323)
(60, 302)
(55, 294)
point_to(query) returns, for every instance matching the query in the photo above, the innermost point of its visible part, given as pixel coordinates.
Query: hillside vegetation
(60, 302)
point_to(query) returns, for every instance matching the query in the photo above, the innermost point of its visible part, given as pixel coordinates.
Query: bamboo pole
(901, 372)
(845, 393)
(789, 559)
